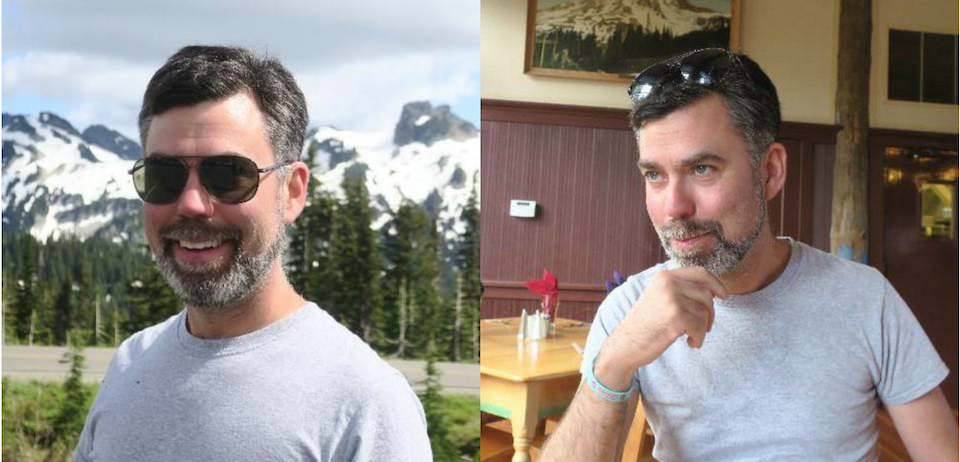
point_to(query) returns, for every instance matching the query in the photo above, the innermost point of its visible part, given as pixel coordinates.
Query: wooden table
(530, 380)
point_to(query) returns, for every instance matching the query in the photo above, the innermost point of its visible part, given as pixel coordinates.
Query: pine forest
(402, 289)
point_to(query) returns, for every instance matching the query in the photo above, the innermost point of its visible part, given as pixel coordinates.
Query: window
(922, 67)
(937, 210)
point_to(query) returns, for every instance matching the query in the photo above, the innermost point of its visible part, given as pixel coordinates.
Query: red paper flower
(547, 287)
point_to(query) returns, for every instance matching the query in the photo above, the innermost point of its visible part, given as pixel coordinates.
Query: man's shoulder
(133, 348)
(832, 270)
(352, 372)
(343, 352)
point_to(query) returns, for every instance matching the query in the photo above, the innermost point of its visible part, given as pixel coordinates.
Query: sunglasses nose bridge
(194, 200)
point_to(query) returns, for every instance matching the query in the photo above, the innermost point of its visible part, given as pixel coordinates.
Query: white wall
(795, 41)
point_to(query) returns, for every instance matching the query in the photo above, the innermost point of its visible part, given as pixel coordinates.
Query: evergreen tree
(432, 402)
(69, 420)
(301, 250)
(355, 261)
(9, 281)
(412, 314)
(468, 278)
(88, 303)
(150, 300)
(26, 301)
(63, 317)
(308, 265)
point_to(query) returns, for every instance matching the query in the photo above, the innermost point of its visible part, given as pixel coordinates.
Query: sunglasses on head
(702, 68)
(229, 179)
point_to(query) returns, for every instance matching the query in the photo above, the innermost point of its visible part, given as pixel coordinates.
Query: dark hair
(748, 93)
(197, 74)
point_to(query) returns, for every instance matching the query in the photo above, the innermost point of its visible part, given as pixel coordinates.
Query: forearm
(593, 427)
(590, 431)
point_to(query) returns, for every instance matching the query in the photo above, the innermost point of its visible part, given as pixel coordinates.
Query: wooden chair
(496, 440)
(496, 445)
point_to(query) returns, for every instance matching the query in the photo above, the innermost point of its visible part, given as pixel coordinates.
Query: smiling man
(743, 346)
(249, 370)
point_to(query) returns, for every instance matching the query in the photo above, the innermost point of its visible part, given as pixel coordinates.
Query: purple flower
(618, 278)
(610, 286)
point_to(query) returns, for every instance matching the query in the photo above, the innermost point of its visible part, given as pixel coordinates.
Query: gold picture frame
(577, 39)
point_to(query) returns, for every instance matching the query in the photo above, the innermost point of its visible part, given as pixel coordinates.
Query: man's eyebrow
(700, 158)
(647, 165)
(695, 159)
(223, 153)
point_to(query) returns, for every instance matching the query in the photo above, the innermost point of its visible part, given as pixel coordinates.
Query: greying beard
(728, 255)
(211, 289)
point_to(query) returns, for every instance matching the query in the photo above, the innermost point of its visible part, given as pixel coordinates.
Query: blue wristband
(605, 393)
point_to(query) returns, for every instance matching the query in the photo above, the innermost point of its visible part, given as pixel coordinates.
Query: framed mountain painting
(616, 39)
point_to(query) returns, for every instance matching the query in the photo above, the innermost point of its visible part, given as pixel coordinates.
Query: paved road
(43, 363)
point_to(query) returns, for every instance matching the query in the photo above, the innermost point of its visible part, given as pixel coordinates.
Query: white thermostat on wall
(523, 209)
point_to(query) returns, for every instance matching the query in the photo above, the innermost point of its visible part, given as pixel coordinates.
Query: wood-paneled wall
(579, 165)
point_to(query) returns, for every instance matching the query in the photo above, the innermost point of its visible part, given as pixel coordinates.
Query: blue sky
(90, 61)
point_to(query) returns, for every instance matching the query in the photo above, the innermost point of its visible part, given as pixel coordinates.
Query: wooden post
(848, 229)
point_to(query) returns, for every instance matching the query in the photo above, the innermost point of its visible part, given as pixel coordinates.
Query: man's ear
(296, 186)
(773, 170)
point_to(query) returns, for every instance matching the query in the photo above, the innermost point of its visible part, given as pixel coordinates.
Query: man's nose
(194, 201)
(678, 203)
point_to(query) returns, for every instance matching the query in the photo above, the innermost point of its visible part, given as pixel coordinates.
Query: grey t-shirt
(793, 371)
(302, 388)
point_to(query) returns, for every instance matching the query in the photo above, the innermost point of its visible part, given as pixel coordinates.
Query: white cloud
(360, 95)
(357, 61)
(298, 31)
(369, 95)
(100, 90)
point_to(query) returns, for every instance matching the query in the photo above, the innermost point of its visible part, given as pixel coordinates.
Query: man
(249, 370)
(743, 346)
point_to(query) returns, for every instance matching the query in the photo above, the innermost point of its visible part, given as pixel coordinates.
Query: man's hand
(677, 302)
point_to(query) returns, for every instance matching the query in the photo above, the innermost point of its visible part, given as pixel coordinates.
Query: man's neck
(763, 264)
(273, 301)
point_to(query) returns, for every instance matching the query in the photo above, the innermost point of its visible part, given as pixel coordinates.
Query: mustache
(683, 229)
(194, 229)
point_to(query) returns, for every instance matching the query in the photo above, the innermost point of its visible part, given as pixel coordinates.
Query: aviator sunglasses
(229, 179)
(702, 68)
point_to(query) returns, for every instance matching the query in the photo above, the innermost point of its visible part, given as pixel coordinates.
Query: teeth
(198, 245)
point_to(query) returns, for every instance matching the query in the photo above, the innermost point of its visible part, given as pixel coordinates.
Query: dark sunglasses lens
(705, 67)
(230, 179)
(647, 81)
(159, 180)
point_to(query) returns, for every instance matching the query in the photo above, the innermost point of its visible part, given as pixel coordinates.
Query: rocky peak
(421, 122)
(112, 140)
(19, 123)
(53, 120)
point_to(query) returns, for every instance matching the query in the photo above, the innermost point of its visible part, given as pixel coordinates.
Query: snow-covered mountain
(58, 181)
(430, 158)
(601, 17)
